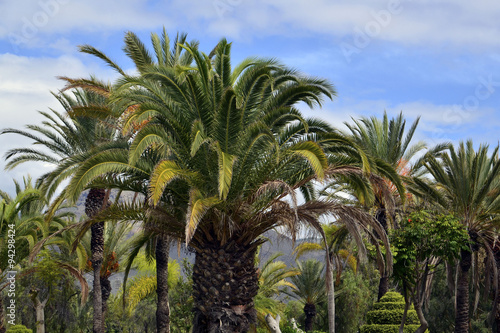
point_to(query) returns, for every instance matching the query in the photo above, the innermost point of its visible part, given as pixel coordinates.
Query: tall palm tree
(309, 288)
(386, 141)
(69, 141)
(233, 146)
(465, 183)
(167, 57)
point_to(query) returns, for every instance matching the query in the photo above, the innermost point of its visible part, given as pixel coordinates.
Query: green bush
(389, 306)
(388, 317)
(375, 328)
(387, 314)
(19, 329)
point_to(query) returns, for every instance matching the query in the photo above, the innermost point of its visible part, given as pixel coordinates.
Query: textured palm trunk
(496, 307)
(93, 205)
(2, 316)
(225, 281)
(462, 297)
(310, 312)
(383, 285)
(163, 308)
(105, 293)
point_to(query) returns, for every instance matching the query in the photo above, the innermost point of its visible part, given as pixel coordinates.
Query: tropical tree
(309, 288)
(233, 146)
(168, 57)
(68, 141)
(386, 141)
(273, 277)
(26, 216)
(465, 183)
(421, 242)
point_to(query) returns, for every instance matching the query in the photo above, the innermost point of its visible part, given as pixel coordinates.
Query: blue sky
(438, 59)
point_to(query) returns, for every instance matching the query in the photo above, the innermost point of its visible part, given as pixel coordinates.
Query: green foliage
(421, 236)
(181, 301)
(386, 318)
(387, 328)
(19, 329)
(353, 298)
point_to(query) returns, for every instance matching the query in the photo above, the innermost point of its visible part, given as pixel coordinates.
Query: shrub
(375, 328)
(19, 329)
(387, 314)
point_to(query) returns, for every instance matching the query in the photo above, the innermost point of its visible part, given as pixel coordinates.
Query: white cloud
(25, 85)
(445, 22)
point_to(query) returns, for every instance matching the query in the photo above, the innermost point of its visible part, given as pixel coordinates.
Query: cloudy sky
(438, 59)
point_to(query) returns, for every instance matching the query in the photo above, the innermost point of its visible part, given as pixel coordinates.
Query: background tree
(464, 183)
(422, 239)
(224, 153)
(68, 141)
(309, 288)
(386, 141)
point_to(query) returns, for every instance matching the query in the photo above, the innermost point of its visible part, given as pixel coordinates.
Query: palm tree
(69, 142)
(386, 141)
(465, 183)
(168, 57)
(233, 146)
(309, 288)
(273, 277)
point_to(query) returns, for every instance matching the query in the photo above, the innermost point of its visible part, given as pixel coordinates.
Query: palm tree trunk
(162, 308)
(383, 285)
(225, 280)
(496, 304)
(331, 296)
(93, 204)
(97, 249)
(310, 312)
(105, 293)
(462, 297)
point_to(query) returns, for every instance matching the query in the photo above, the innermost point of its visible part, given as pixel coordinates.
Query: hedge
(387, 314)
(19, 329)
(389, 317)
(374, 328)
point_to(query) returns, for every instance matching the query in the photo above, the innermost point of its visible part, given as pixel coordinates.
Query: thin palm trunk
(462, 297)
(331, 296)
(163, 308)
(383, 285)
(496, 307)
(94, 203)
(225, 281)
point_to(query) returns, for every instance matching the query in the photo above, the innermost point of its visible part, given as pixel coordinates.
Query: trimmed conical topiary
(387, 314)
